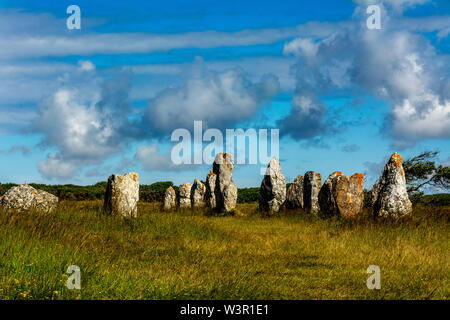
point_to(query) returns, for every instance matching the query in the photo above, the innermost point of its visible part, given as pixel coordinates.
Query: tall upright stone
(122, 195)
(294, 195)
(312, 182)
(327, 203)
(198, 194)
(389, 196)
(170, 199)
(272, 193)
(225, 189)
(25, 198)
(210, 196)
(184, 192)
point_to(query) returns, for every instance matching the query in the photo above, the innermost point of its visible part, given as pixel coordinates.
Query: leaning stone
(389, 196)
(198, 194)
(210, 196)
(122, 195)
(348, 195)
(225, 189)
(272, 193)
(185, 195)
(312, 182)
(25, 198)
(170, 199)
(294, 195)
(327, 202)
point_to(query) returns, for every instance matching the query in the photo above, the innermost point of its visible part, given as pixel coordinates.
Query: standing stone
(272, 193)
(389, 196)
(122, 195)
(311, 188)
(348, 195)
(294, 195)
(170, 199)
(327, 202)
(210, 196)
(198, 194)
(225, 189)
(25, 198)
(185, 195)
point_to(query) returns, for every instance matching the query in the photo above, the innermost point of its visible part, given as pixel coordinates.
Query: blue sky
(79, 105)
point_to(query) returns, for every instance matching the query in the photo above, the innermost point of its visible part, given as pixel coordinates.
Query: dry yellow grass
(191, 255)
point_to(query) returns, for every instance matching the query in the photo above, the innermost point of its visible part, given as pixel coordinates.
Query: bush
(436, 200)
(247, 195)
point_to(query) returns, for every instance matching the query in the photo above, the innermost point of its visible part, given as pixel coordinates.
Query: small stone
(389, 196)
(185, 195)
(294, 195)
(210, 196)
(25, 198)
(122, 195)
(327, 202)
(312, 183)
(272, 193)
(348, 195)
(198, 194)
(170, 199)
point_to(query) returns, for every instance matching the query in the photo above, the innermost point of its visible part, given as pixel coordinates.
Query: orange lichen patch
(135, 177)
(186, 186)
(338, 173)
(227, 157)
(397, 159)
(401, 172)
(170, 188)
(360, 177)
(195, 180)
(211, 173)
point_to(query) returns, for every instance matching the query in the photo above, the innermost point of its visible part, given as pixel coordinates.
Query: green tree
(422, 170)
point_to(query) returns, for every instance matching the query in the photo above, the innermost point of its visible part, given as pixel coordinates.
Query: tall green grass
(190, 255)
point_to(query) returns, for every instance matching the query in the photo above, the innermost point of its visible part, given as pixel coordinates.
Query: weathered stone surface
(327, 202)
(312, 181)
(170, 199)
(185, 195)
(25, 198)
(229, 197)
(272, 193)
(122, 195)
(342, 195)
(294, 195)
(389, 196)
(198, 194)
(210, 196)
(348, 195)
(225, 189)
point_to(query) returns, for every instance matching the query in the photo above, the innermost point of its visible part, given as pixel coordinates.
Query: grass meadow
(194, 255)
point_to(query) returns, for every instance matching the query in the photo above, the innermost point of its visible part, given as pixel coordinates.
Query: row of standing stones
(338, 195)
(219, 193)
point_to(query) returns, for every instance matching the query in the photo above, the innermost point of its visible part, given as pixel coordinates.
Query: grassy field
(191, 255)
